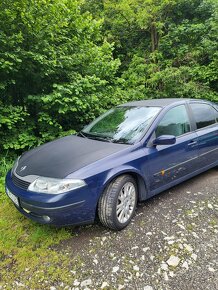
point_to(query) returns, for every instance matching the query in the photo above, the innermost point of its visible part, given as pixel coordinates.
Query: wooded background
(63, 62)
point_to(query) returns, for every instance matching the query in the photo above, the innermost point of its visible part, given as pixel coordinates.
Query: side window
(175, 122)
(203, 114)
(216, 113)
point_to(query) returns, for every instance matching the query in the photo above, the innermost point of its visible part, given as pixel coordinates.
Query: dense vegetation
(63, 62)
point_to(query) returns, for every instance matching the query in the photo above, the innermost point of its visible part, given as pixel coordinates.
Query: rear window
(204, 115)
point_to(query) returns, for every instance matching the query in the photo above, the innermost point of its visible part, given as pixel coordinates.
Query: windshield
(122, 124)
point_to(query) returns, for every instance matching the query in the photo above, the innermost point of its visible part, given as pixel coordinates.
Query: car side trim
(177, 165)
(182, 163)
(208, 152)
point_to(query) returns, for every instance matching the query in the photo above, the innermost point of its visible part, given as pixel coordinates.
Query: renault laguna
(129, 154)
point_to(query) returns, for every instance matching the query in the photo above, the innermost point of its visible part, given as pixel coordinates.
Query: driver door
(168, 163)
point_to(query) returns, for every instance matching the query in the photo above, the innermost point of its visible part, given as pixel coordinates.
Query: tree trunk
(154, 37)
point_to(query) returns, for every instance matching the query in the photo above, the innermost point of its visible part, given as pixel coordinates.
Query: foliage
(180, 60)
(55, 69)
(63, 62)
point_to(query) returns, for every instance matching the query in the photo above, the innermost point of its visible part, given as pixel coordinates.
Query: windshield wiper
(100, 138)
(120, 141)
(81, 134)
(94, 137)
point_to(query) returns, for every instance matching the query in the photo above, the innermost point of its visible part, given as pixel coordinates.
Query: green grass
(27, 252)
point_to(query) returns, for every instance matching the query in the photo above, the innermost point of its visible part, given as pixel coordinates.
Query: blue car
(129, 154)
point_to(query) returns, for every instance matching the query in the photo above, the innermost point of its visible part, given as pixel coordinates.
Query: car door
(168, 163)
(206, 117)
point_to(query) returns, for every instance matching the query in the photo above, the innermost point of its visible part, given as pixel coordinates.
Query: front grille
(19, 182)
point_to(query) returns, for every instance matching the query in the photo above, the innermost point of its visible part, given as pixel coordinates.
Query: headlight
(54, 185)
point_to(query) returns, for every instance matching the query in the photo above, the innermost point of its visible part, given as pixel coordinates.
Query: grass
(27, 253)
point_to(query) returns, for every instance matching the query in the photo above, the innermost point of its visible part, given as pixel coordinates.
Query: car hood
(63, 156)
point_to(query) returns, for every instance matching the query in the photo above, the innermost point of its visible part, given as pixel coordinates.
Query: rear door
(206, 118)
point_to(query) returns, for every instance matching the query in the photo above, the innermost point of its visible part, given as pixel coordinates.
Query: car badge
(23, 168)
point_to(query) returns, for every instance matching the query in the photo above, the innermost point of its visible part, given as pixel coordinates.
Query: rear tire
(117, 204)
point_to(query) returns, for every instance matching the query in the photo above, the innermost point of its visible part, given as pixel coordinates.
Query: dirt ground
(170, 244)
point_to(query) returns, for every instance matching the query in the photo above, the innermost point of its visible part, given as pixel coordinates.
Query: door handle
(192, 143)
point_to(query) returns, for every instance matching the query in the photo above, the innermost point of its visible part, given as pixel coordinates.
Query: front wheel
(117, 204)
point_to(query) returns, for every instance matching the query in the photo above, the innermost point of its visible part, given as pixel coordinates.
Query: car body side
(135, 159)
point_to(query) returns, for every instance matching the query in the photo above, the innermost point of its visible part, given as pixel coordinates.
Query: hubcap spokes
(126, 202)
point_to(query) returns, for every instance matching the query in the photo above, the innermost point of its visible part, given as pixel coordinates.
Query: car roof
(157, 102)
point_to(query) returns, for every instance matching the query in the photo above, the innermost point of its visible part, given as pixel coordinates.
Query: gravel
(170, 244)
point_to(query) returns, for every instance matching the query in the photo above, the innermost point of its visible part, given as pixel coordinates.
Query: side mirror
(164, 140)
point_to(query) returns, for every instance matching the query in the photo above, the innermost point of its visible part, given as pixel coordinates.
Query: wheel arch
(141, 184)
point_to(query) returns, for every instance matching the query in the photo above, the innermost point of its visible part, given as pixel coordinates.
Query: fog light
(46, 218)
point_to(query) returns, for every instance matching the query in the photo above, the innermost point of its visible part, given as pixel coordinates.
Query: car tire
(117, 204)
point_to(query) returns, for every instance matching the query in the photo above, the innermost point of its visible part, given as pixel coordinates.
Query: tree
(167, 48)
(56, 70)
(141, 16)
(63, 62)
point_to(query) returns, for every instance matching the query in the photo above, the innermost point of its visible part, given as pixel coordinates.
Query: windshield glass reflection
(122, 124)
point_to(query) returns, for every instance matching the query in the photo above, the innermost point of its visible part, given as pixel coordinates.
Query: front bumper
(75, 207)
